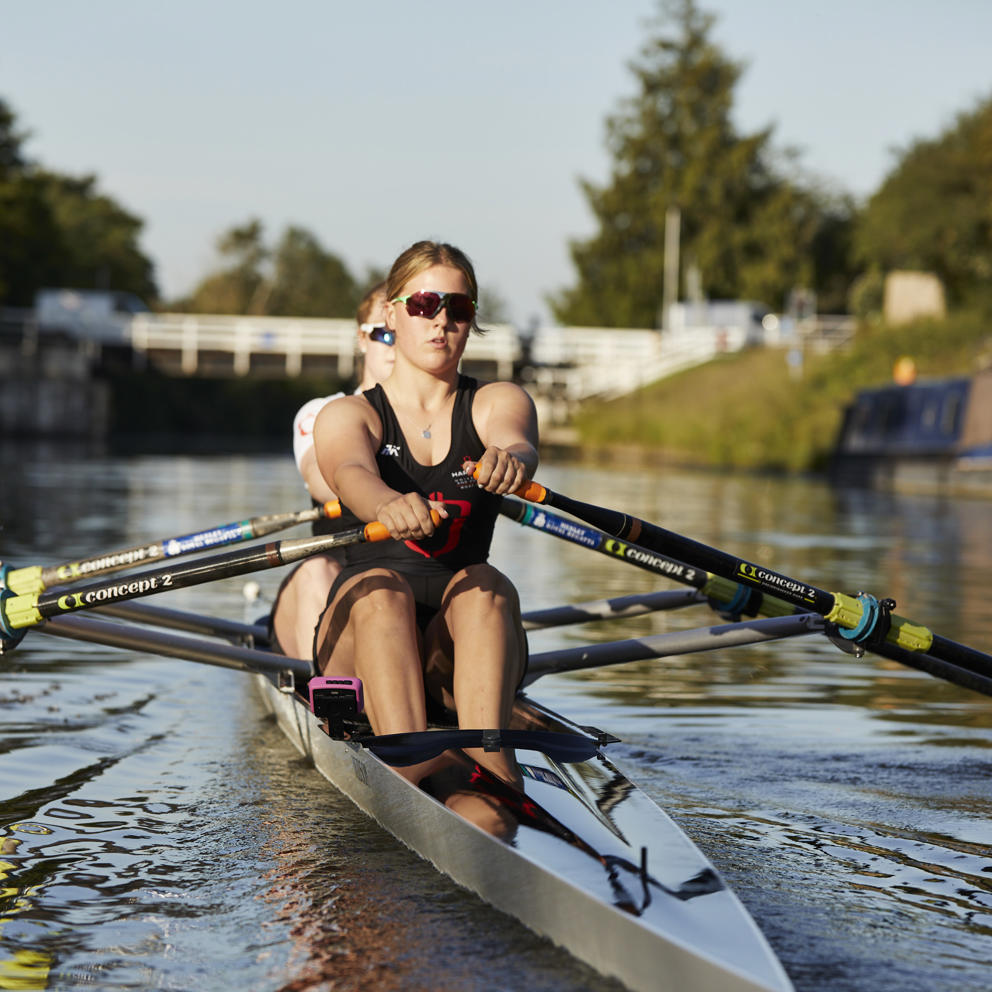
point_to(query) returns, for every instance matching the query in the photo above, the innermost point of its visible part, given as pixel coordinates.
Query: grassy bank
(746, 410)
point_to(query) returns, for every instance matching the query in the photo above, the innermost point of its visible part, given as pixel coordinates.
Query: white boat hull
(574, 872)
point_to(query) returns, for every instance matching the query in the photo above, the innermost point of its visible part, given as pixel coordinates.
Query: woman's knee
(482, 587)
(375, 591)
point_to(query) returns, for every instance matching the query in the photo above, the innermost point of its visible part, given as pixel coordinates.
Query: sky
(376, 123)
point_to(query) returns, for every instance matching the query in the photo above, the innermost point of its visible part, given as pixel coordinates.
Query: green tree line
(752, 225)
(60, 230)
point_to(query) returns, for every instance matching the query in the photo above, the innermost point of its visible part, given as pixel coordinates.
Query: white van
(92, 314)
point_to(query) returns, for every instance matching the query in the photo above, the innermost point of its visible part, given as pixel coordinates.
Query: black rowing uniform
(462, 539)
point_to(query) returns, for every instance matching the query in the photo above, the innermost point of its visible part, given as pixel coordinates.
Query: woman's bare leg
(301, 602)
(476, 652)
(370, 632)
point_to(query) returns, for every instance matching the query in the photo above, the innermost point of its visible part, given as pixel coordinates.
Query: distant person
(425, 620)
(303, 593)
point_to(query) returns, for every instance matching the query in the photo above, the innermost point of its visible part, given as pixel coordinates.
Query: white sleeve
(303, 425)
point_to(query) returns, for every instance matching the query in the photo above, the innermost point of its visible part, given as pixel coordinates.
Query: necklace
(426, 432)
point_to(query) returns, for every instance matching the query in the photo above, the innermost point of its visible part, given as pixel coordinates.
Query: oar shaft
(674, 643)
(723, 591)
(24, 611)
(903, 639)
(634, 605)
(663, 541)
(117, 635)
(192, 623)
(37, 578)
(596, 540)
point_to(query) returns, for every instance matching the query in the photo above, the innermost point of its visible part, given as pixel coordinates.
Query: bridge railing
(289, 339)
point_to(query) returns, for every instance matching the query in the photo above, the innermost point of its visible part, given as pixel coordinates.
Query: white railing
(294, 338)
(573, 362)
(607, 362)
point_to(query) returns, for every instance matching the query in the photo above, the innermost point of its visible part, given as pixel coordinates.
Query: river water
(158, 832)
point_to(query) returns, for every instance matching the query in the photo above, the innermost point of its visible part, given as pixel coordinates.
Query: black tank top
(464, 538)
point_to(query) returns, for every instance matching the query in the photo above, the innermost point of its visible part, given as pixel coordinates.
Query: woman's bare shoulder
(348, 412)
(502, 392)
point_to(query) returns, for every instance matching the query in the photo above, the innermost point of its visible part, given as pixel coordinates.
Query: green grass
(745, 411)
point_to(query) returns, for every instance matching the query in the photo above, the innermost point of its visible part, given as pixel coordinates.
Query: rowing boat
(577, 853)
(580, 856)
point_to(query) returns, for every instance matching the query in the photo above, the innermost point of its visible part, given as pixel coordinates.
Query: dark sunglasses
(427, 303)
(380, 333)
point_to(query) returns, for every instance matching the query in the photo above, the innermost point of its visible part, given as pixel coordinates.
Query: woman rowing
(302, 595)
(427, 612)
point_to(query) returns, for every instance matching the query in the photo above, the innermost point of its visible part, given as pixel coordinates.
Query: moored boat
(926, 435)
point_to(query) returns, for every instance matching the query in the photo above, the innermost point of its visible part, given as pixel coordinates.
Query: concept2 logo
(756, 575)
(631, 552)
(108, 562)
(110, 594)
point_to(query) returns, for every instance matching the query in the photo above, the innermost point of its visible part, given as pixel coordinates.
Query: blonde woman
(426, 619)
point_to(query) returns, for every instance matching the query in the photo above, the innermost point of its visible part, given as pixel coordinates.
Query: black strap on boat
(410, 748)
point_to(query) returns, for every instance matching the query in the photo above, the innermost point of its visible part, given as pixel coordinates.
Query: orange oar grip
(332, 509)
(376, 531)
(533, 492)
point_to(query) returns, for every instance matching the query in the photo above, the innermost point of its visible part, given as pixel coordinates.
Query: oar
(38, 578)
(676, 642)
(619, 607)
(130, 637)
(730, 598)
(20, 612)
(862, 620)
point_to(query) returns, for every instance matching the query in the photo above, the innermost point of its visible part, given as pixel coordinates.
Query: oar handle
(376, 531)
(531, 491)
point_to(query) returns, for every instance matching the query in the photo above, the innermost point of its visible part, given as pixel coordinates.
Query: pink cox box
(334, 695)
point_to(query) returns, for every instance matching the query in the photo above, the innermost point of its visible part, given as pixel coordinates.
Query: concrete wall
(46, 387)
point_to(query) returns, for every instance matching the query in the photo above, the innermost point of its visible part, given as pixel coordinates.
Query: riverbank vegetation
(754, 410)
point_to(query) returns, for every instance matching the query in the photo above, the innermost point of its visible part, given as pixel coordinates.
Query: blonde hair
(424, 255)
(377, 294)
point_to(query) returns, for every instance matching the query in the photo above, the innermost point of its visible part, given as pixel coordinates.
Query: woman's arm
(312, 478)
(346, 437)
(506, 422)
(303, 453)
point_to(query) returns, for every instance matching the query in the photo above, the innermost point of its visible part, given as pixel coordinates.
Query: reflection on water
(157, 832)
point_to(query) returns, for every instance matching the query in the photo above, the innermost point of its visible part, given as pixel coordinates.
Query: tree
(11, 140)
(934, 210)
(298, 278)
(308, 281)
(60, 231)
(239, 286)
(31, 253)
(750, 232)
(99, 238)
(28, 233)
